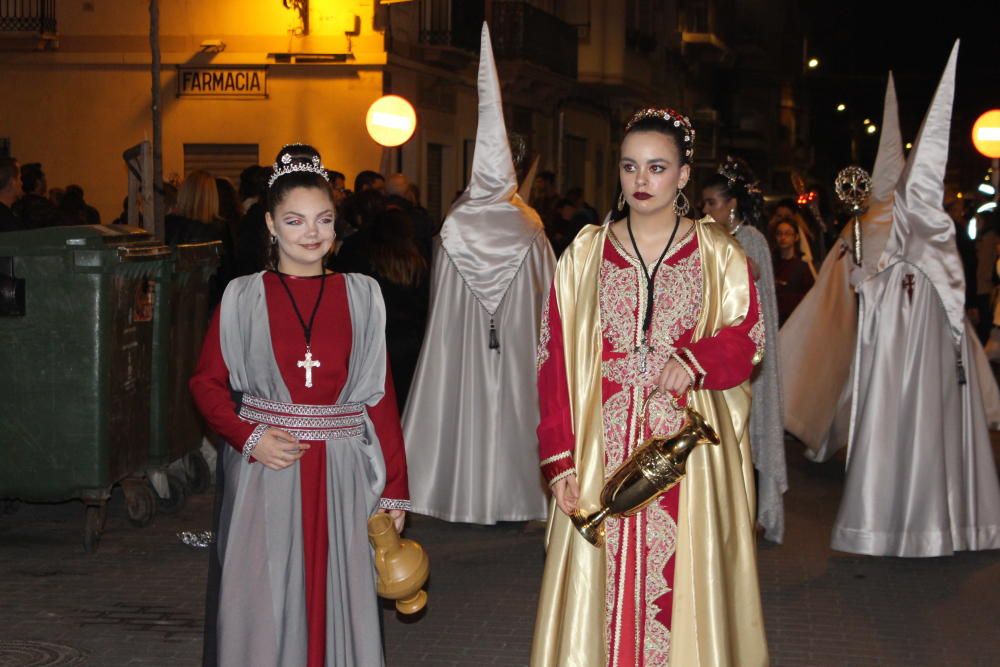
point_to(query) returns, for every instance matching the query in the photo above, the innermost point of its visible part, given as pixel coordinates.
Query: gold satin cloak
(717, 615)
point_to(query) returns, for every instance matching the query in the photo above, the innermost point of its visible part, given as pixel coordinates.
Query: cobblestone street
(139, 600)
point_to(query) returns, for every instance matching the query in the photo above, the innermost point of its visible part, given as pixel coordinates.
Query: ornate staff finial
(853, 187)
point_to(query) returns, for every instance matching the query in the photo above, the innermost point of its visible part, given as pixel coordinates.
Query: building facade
(240, 78)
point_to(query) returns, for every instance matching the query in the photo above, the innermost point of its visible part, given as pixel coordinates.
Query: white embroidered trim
(328, 434)
(299, 421)
(564, 473)
(758, 336)
(553, 459)
(252, 441)
(631, 259)
(544, 337)
(303, 409)
(395, 504)
(691, 374)
(694, 362)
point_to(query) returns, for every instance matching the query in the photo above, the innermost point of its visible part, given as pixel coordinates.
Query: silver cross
(309, 365)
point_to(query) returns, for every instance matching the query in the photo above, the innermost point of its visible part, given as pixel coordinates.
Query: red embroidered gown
(331, 345)
(640, 549)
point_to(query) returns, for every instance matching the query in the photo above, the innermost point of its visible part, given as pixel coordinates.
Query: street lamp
(391, 121)
(986, 137)
(813, 63)
(841, 107)
(872, 129)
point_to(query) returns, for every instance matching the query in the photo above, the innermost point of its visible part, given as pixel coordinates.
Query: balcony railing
(519, 31)
(452, 23)
(28, 16)
(522, 32)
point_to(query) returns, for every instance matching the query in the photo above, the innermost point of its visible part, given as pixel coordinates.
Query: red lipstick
(641, 196)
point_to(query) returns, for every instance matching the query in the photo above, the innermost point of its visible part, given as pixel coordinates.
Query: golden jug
(402, 565)
(652, 470)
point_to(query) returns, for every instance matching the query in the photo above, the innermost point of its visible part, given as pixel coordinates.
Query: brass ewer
(402, 565)
(652, 470)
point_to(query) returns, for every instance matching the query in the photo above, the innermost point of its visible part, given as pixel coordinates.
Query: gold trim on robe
(717, 620)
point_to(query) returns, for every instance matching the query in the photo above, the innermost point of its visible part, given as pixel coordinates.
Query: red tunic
(640, 549)
(331, 345)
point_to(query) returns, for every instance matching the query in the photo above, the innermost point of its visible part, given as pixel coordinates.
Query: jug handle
(674, 401)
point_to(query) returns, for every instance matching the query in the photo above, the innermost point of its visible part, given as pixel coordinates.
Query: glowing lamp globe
(391, 120)
(986, 134)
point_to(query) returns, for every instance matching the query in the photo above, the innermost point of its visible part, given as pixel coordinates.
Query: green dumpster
(77, 317)
(176, 463)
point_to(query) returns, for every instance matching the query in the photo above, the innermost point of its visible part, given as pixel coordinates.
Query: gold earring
(621, 201)
(681, 204)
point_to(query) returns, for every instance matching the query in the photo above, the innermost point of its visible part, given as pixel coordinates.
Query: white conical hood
(889, 163)
(489, 229)
(493, 175)
(922, 232)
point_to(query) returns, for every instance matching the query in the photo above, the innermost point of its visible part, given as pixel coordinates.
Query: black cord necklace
(308, 363)
(647, 320)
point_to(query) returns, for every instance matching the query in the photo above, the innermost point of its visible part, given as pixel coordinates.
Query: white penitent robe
(921, 477)
(816, 346)
(473, 407)
(471, 416)
(818, 340)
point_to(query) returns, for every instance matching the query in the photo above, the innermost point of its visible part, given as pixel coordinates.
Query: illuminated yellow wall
(78, 107)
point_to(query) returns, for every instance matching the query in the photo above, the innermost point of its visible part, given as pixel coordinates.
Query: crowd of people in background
(384, 231)
(27, 202)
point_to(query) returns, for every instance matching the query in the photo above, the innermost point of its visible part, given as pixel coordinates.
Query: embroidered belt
(306, 422)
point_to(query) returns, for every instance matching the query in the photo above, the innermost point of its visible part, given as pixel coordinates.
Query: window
(640, 25)
(28, 16)
(221, 160)
(435, 21)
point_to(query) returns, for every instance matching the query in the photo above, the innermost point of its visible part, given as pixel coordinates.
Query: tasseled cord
(494, 339)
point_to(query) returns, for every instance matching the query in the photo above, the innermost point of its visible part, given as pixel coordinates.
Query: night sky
(859, 42)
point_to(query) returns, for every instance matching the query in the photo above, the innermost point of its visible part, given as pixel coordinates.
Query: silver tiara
(287, 166)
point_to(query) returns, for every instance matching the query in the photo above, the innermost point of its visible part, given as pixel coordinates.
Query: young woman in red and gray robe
(316, 445)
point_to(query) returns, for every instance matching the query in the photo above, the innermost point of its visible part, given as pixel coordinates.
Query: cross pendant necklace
(647, 322)
(308, 363)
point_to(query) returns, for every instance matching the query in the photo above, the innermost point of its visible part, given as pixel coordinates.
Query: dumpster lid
(74, 236)
(48, 240)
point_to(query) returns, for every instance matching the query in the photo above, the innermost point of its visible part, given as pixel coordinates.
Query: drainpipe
(157, 224)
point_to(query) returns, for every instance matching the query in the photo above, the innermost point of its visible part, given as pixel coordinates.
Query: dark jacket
(37, 211)
(8, 221)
